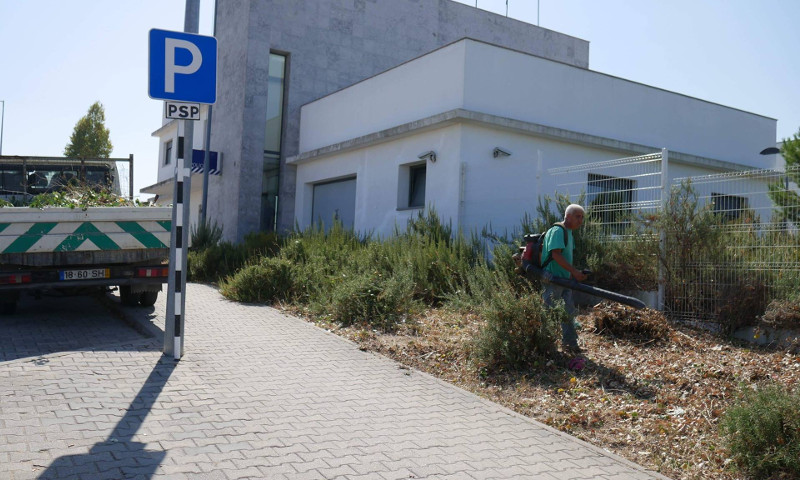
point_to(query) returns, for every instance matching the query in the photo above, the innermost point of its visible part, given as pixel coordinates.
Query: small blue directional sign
(183, 67)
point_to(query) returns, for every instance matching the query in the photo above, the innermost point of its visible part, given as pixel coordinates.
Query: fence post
(663, 237)
(130, 176)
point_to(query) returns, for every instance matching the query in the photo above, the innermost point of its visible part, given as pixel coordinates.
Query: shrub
(518, 330)
(322, 259)
(762, 431)
(440, 260)
(266, 244)
(624, 265)
(741, 303)
(482, 281)
(269, 281)
(215, 262)
(373, 298)
(205, 235)
(211, 261)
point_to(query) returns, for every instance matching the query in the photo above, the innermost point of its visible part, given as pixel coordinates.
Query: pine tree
(90, 138)
(787, 200)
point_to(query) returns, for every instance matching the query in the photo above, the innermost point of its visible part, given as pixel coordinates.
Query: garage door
(335, 200)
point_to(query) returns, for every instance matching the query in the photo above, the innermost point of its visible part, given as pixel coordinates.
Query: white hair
(574, 207)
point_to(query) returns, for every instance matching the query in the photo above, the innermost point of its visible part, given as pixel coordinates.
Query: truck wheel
(128, 298)
(148, 299)
(8, 308)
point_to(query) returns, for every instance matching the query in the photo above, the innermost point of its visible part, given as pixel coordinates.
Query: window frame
(413, 178)
(739, 203)
(168, 152)
(616, 221)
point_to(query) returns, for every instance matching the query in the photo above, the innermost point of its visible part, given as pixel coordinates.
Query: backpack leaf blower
(531, 266)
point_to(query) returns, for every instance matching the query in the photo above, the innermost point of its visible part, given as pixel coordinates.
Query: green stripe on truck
(29, 238)
(143, 236)
(86, 231)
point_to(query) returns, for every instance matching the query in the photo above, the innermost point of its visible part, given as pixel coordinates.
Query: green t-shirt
(553, 240)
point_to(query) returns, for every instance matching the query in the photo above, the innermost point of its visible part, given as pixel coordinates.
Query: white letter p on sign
(170, 69)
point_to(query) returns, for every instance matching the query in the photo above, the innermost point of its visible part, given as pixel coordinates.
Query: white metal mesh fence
(728, 243)
(616, 191)
(750, 255)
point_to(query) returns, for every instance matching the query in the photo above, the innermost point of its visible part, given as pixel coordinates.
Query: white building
(325, 107)
(472, 129)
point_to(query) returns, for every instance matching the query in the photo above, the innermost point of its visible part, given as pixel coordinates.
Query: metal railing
(729, 243)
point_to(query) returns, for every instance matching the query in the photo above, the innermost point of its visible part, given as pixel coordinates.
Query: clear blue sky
(57, 57)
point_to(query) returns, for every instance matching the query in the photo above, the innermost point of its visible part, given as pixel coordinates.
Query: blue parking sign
(183, 67)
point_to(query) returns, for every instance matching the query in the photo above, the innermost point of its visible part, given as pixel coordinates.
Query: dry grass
(650, 392)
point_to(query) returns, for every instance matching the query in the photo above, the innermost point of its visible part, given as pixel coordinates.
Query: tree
(787, 200)
(90, 137)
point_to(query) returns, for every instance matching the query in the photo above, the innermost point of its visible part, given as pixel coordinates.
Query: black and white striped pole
(183, 72)
(176, 284)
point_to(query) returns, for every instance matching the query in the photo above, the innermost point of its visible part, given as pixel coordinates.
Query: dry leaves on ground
(651, 392)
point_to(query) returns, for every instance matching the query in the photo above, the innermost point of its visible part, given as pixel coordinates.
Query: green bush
(205, 235)
(518, 330)
(266, 244)
(440, 260)
(762, 431)
(321, 260)
(374, 298)
(215, 262)
(269, 281)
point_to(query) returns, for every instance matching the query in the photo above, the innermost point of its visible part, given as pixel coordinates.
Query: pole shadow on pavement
(119, 456)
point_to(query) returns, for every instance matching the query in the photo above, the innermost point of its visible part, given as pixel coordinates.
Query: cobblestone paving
(263, 395)
(61, 324)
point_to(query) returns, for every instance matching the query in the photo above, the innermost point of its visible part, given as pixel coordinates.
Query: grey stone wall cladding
(331, 44)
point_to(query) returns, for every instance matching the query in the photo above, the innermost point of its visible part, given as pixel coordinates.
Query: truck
(73, 251)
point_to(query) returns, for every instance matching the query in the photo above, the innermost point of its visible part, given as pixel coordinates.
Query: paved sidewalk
(263, 395)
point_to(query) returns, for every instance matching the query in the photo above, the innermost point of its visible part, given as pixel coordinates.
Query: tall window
(729, 206)
(416, 190)
(272, 142)
(610, 200)
(168, 152)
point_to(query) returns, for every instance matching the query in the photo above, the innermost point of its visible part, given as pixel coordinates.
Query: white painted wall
(467, 185)
(377, 178)
(489, 79)
(497, 192)
(431, 84)
(512, 84)
(501, 190)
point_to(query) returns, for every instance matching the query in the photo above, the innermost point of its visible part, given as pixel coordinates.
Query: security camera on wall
(428, 156)
(499, 152)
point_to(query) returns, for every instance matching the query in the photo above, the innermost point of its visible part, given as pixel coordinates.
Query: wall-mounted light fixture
(428, 156)
(499, 152)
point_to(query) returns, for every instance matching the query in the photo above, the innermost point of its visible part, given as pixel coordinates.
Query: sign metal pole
(176, 285)
(183, 86)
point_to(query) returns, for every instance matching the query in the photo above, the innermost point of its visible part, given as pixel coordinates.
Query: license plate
(88, 274)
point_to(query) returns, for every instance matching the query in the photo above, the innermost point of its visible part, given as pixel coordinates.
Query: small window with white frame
(411, 186)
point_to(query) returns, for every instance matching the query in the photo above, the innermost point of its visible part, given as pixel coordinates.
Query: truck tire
(8, 308)
(148, 299)
(128, 298)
